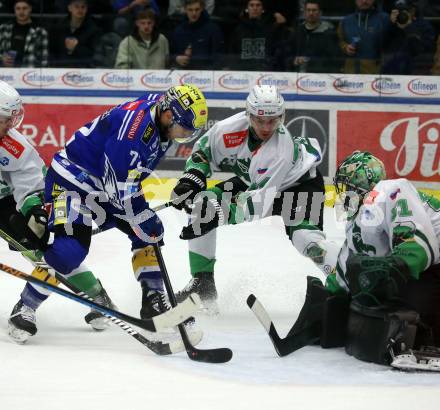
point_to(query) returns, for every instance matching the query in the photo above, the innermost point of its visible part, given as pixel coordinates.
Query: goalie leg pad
(371, 332)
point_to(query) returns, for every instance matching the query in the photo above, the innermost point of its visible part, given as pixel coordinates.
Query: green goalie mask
(358, 174)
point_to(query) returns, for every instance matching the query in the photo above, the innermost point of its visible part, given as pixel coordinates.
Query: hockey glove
(206, 215)
(193, 181)
(36, 224)
(376, 280)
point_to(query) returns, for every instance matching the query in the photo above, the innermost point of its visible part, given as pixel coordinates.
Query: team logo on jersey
(148, 133)
(234, 139)
(372, 195)
(132, 105)
(134, 127)
(12, 146)
(261, 171)
(4, 161)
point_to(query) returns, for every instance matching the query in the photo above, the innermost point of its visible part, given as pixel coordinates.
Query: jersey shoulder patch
(234, 139)
(11, 145)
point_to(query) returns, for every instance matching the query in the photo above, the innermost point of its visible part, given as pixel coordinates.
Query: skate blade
(100, 324)
(210, 308)
(18, 336)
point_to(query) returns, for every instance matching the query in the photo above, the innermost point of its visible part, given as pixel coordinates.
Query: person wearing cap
(22, 42)
(274, 173)
(98, 175)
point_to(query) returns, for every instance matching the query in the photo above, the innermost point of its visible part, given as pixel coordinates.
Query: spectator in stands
(145, 47)
(282, 11)
(362, 36)
(22, 42)
(177, 7)
(411, 43)
(313, 46)
(75, 37)
(126, 11)
(253, 39)
(106, 48)
(436, 67)
(197, 43)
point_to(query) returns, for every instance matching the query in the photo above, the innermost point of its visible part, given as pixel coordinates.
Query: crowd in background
(322, 36)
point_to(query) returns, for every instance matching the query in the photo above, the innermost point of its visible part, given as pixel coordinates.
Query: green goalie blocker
(374, 334)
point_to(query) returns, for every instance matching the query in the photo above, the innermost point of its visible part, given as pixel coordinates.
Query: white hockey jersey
(21, 168)
(395, 219)
(270, 167)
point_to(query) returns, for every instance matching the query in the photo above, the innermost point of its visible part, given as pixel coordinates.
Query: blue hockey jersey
(113, 153)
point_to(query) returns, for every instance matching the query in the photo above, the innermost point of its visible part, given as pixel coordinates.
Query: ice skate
(204, 286)
(96, 319)
(21, 323)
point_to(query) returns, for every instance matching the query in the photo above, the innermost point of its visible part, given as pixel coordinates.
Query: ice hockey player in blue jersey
(98, 177)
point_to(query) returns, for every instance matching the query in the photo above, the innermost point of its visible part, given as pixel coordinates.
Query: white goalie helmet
(11, 105)
(265, 101)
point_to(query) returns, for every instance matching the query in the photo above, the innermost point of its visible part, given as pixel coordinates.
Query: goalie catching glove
(192, 182)
(206, 215)
(376, 280)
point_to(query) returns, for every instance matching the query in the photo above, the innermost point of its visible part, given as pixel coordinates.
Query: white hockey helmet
(11, 105)
(265, 101)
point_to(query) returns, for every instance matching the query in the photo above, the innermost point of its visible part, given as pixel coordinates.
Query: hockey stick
(157, 347)
(158, 208)
(282, 346)
(158, 323)
(220, 355)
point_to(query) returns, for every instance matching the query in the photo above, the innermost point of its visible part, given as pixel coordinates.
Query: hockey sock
(199, 263)
(146, 268)
(84, 280)
(34, 296)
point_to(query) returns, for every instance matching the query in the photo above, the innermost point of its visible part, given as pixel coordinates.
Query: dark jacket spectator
(436, 66)
(411, 44)
(197, 43)
(362, 36)
(313, 45)
(75, 37)
(252, 40)
(22, 42)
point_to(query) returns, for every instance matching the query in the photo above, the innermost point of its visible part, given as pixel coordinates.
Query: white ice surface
(68, 366)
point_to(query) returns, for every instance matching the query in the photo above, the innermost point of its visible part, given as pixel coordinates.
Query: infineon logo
(38, 79)
(420, 86)
(76, 79)
(386, 86)
(282, 83)
(348, 86)
(234, 81)
(116, 80)
(199, 81)
(309, 84)
(7, 78)
(156, 81)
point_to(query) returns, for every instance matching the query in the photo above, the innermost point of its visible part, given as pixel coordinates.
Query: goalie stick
(285, 346)
(156, 346)
(219, 355)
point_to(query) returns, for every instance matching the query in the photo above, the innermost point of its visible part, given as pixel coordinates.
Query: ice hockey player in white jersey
(21, 174)
(275, 173)
(389, 266)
